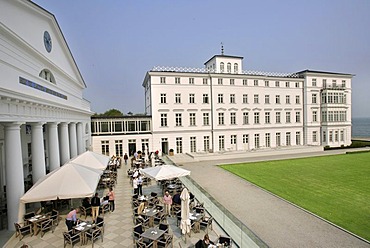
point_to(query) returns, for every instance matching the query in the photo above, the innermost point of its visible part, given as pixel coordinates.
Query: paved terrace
(277, 222)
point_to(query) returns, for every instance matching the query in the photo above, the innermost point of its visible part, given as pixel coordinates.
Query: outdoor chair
(166, 241)
(45, 226)
(142, 220)
(105, 208)
(84, 211)
(71, 238)
(94, 234)
(141, 243)
(153, 194)
(55, 217)
(28, 216)
(164, 227)
(100, 223)
(178, 217)
(206, 222)
(199, 244)
(22, 230)
(137, 231)
(225, 241)
(160, 218)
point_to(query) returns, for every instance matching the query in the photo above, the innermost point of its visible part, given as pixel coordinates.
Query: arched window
(47, 75)
(87, 128)
(228, 67)
(236, 69)
(222, 67)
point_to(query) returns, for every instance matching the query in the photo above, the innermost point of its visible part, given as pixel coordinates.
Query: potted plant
(171, 152)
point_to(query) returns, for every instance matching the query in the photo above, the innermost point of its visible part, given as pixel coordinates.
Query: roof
(325, 72)
(122, 117)
(224, 56)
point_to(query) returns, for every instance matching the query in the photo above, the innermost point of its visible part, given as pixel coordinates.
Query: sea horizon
(360, 127)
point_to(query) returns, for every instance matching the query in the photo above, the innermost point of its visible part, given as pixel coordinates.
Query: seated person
(104, 201)
(176, 199)
(206, 242)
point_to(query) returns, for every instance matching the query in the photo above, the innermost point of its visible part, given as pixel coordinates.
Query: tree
(110, 113)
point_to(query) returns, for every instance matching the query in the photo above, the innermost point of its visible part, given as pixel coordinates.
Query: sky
(115, 42)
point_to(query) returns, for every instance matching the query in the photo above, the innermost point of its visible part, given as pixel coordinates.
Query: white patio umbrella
(165, 172)
(92, 159)
(185, 224)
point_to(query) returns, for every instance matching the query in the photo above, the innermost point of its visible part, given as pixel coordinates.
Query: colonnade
(64, 141)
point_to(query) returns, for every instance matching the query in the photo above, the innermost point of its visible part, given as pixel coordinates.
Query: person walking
(167, 201)
(95, 204)
(125, 157)
(111, 199)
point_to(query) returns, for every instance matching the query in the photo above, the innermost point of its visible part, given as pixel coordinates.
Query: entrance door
(164, 147)
(132, 148)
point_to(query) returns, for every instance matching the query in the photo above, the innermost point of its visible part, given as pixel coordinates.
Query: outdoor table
(36, 219)
(143, 198)
(196, 217)
(150, 213)
(83, 227)
(154, 234)
(106, 179)
(171, 186)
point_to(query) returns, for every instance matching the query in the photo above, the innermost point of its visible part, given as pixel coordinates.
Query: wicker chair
(22, 230)
(94, 234)
(45, 226)
(71, 237)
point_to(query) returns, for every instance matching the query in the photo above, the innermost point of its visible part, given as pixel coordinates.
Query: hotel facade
(44, 119)
(222, 108)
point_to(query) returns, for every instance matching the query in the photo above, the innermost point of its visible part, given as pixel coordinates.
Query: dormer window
(47, 75)
(236, 68)
(228, 67)
(222, 67)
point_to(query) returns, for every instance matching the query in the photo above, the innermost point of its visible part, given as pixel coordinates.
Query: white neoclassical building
(222, 108)
(44, 119)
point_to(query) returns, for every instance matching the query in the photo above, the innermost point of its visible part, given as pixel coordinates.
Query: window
(324, 83)
(287, 99)
(288, 139)
(219, 81)
(206, 143)
(163, 120)
(228, 67)
(205, 98)
(163, 80)
(191, 98)
(267, 83)
(278, 139)
(178, 144)
(236, 68)
(255, 82)
(232, 81)
(341, 135)
(177, 80)
(233, 139)
(222, 67)
(233, 118)
(343, 83)
(191, 80)
(163, 98)
(277, 99)
(267, 117)
(232, 98)
(287, 117)
(119, 148)
(314, 136)
(298, 117)
(287, 84)
(245, 98)
(257, 118)
(267, 99)
(192, 119)
(205, 119)
(221, 119)
(277, 84)
(314, 98)
(277, 116)
(336, 136)
(255, 98)
(256, 140)
(267, 140)
(245, 118)
(314, 82)
(105, 147)
(331, 136)
(221, 142)
(47, 75)
(145, 144)
(178, 119)
(205, 80)
(323, 136)
(297, 138)
(297, 84)
(297, 99)
(177, 98)
(220, 98)
(314, 116)
(245, 82)
(245, 138)
(193, 144)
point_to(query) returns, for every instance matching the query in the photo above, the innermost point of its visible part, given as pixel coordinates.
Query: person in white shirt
(135, 185)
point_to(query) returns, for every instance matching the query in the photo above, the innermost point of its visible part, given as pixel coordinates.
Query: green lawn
(336, 187)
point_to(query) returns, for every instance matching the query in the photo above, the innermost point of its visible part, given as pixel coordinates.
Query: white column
(64, 143)
(53, 146)
(72, 139)
(38, 152)
(14, 172)
(80, 143)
